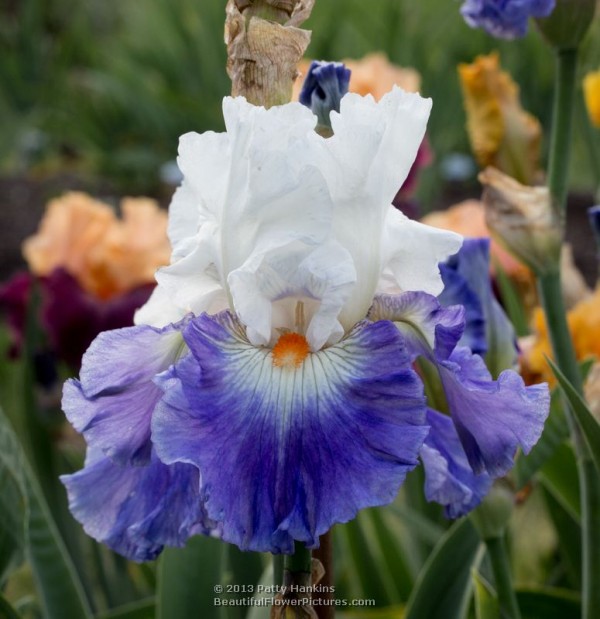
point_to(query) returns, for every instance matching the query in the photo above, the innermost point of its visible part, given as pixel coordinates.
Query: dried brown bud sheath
(264, 47)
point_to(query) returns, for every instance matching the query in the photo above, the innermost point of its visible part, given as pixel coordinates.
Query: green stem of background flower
(549, 285)
(562, 125)
(564, 354)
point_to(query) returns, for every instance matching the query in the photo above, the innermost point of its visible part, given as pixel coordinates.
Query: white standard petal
(203, 160)
(366, 161)
(412, 252)
(245, 193)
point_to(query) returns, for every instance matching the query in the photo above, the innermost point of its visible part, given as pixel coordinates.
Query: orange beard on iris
(290, 351)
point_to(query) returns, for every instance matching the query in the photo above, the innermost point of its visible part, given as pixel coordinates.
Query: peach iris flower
(107, 255)
(375, 74)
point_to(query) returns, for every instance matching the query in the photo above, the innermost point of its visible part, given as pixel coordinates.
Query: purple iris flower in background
(268, 390)
(505, 19)
(488, 331)
(70, 316)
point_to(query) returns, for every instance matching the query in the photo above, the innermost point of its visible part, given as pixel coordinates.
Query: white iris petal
(272, 217)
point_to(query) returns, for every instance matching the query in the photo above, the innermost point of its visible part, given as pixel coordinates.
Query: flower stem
(562, 125)
(549, 286)
(298, 566)
(278, 570)
(551, 296)
(324, 554)
(496, 547)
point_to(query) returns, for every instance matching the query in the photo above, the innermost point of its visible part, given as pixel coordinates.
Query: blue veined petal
(449, 479)
(137, 510)
(427, 326)
(467, 282)
(112, 402)
(492, 417)
(287, 451)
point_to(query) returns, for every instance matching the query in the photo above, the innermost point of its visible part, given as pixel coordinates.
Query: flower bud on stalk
(523, 220)
(322, 91)
(568, 23)
(264, 47)
(493, 514)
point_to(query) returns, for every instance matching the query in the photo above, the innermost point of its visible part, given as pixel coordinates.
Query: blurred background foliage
(106, 89)
(102, 91)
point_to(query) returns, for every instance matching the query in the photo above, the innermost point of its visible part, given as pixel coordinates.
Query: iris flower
(268, 390)
(505, 19)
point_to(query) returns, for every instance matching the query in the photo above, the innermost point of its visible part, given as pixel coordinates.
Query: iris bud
(325, 85)
(493, 514)
(568, 24)
(523, 220)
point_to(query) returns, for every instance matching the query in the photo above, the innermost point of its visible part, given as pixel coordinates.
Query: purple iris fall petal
(286, 452)
(492, 417)
(137, 510)
(467, 282)
(449, 479)
(113, 401)
(505, 19)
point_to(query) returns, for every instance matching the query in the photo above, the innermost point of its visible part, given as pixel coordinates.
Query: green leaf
(144, 609)
(549, 604)
(590, 427)
(373, 551)
(57, 582)
(444, 587)
(265, 590)
(568, 532)
(366, 566)
(243, 569)
(421, 526)
(390, 612)
(188, 577)
(13, 501)
(511, 300)
(394, 564)
(559, 476)
(486, 601)
(6, 609)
